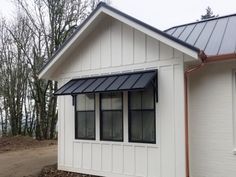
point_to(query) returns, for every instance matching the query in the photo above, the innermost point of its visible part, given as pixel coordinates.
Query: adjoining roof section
(216, 36)
(94, 18)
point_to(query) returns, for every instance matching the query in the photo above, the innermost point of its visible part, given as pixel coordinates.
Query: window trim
(74, 97)
(100, 113)
(129, 118)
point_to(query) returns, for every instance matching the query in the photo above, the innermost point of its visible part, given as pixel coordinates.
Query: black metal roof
(216, 36)
(109, 83)
(104, 5)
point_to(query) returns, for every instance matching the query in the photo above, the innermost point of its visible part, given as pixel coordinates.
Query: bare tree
(26, 45)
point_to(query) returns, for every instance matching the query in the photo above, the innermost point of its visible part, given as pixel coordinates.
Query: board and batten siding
(113, 48)
(211, 121)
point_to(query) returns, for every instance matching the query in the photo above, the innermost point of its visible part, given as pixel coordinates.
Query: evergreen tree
(209, 14)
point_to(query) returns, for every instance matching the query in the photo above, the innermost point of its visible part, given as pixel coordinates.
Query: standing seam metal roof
(216, 36)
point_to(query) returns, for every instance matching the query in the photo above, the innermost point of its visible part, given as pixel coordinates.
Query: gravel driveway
(27, 162)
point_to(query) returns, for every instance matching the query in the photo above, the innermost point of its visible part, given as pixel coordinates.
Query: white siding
(115, 45)
(165, 159)
(211, 121)
(119, 48)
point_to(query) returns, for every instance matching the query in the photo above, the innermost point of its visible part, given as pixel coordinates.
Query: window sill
(117, 143)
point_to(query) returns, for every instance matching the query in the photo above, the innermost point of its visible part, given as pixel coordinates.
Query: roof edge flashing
(125, 18)
(200, 21)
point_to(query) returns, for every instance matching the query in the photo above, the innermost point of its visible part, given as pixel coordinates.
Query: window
(111, 117)
(142, 116)
(85, 117)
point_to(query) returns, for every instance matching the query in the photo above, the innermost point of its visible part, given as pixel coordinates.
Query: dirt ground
(22, 142)
(26, 157)
(27, 162)
(51, 171)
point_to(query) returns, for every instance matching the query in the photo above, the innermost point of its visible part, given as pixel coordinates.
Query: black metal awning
(109, 83)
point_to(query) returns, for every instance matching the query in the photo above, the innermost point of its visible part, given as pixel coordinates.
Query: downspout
(187, 72)
(204, 60)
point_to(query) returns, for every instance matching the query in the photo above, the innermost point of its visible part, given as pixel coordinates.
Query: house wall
(115, 47)
(211, 121)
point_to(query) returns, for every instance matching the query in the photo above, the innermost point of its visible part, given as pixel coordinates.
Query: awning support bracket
(154, 84)
(73, 100)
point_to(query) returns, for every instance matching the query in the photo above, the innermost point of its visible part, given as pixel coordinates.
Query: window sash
(87, 125)
(109, 101)
(145, 130)
(111, 110)
(113, 128)
(85, 102)
(142, 110)
(85, 132)
(138, 99)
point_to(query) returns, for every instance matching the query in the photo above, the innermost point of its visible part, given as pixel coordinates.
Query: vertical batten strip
(111, 155)
(122, 41)
(134, 173)
(146, 148)
(146, 49)
(101, 156)
(123, 161)
(174, 116)
(82, 160)
(91, 156)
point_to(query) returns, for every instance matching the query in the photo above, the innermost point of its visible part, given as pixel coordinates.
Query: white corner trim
(234, 108)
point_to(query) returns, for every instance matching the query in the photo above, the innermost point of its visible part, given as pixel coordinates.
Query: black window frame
(101, 118)
(129, 117)
(76, 118)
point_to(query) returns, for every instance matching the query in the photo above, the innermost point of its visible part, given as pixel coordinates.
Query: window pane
(106, 125)
(147, 99)
(80, 102)
(117, 125)
(116, 101)
(81, 125)
(148, 126)
(135, 100)
(136, 126)
(106, 101)
(89, 102)
(90, 124)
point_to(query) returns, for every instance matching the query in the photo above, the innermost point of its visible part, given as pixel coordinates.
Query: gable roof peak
(103, 8)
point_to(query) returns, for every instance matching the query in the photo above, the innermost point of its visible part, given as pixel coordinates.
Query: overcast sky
(160, 14)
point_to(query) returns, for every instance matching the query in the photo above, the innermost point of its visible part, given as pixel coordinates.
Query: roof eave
(133, 22)
(222, 57)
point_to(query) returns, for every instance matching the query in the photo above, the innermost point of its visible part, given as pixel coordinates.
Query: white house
(138, 102)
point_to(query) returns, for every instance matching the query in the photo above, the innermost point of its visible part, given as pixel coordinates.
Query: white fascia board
(43, 73)
(153, 34)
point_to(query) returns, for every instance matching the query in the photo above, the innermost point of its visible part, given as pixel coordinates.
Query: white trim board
(98, 15)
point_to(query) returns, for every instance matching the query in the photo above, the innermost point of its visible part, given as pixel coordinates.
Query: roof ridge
(201, 21)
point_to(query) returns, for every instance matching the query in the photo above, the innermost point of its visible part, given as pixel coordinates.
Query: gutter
(204, 60)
